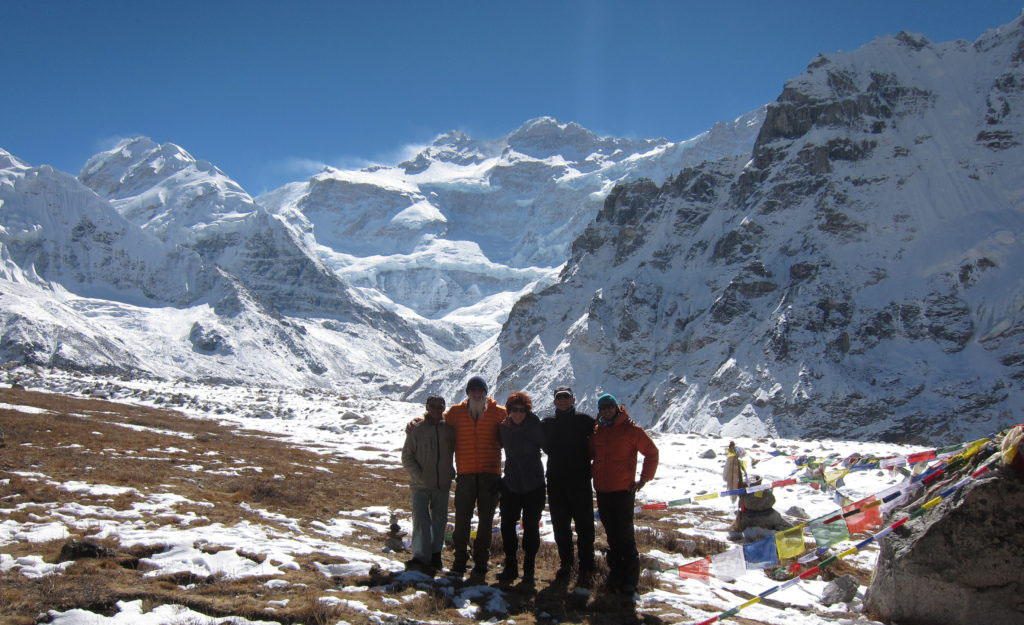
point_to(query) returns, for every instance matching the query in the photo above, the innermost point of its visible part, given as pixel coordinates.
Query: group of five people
(580, 450)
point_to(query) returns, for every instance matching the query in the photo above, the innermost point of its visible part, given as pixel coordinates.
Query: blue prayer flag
(761, 554)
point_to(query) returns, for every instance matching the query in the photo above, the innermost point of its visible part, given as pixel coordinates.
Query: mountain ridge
(841, 258)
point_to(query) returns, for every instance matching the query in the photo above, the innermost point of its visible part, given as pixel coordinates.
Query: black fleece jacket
(566, 437)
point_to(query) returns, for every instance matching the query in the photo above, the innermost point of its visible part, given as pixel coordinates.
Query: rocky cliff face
(855, 276)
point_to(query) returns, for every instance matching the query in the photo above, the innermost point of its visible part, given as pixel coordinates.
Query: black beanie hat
(476, 382)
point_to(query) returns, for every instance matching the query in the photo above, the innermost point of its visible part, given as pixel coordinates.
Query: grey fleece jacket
(428, 455)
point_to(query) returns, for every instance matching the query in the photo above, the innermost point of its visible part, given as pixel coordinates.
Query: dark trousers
(528, 506)
(616, 511)
(568, 504)
(479, 491)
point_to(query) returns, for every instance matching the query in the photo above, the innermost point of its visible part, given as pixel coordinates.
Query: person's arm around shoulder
(536, 432)
(547, 427)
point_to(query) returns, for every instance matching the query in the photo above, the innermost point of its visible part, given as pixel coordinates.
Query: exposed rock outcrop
(962, 563)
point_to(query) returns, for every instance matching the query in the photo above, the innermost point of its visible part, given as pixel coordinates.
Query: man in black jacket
(570, 495)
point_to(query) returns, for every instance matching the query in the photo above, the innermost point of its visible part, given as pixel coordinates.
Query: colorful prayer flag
(698, 569)
(729, 565)
(867, 517)
(887, 463)
(921, 457)
(831, 477)
(761, 554)
(790, 543)
(826, 534)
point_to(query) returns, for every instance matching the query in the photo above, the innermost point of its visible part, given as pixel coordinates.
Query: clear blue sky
(265, 89)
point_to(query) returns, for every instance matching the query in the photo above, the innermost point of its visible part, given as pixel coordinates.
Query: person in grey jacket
(522, 486)
(427, 456)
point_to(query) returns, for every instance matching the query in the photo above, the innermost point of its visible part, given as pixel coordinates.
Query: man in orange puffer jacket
(478, 463)
(614, 447)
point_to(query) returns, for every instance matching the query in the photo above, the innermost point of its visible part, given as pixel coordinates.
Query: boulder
(797, 512)
(708, 453)
(960, 563)
(356, 418)
(840, 590)
(79, 549)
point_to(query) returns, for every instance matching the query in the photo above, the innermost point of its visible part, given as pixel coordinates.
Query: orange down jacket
(477, 446)
(614, 449)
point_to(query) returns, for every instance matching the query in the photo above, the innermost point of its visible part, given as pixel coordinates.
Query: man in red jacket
(614, 447)
(478, 463)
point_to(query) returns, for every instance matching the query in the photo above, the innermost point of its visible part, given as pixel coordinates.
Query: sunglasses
(517, 409)
(438, 406)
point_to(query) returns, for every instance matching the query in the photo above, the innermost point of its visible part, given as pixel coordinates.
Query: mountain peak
(454, 147)
(10, 161)
(544, 137)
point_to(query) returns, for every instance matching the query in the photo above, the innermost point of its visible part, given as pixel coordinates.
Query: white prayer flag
(729, 565)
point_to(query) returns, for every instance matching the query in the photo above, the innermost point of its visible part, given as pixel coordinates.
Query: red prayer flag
(868, 517)
(661, 505)
(698, 569)
(920, 456)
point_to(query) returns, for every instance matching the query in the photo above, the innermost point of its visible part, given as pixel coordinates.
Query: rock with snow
(354, 418)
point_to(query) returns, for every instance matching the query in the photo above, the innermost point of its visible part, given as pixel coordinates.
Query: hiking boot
(563, 573)
(507, 575)
(478, 574)
(415, 564)
(458, 569)
(585, 578)
(509, 572)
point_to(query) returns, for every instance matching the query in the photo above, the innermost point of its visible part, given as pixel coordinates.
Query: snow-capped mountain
(156, 263)
(467, 219)
(857, 275)
(206, 284)
(843, 259)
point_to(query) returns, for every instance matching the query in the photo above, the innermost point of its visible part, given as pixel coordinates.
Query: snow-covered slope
(206, 286)
(467, 219)
(857, 276)
(53, 227)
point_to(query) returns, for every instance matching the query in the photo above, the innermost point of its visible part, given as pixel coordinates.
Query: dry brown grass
(89, 440)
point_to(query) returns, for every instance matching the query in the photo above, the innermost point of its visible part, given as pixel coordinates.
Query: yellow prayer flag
(703, 497)
(931, 504)
(790, 543)
(750, 602)
(831, 477)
